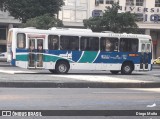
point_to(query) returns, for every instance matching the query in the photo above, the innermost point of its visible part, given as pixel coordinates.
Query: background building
(75, 11)
(6, 22)
(147, 11)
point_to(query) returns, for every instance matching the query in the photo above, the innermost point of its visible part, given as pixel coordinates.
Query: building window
(139, 2)
(157, 3)
(129, 2)
(21, 40)
(97, 13)
(109, 2)
(101, 1)
(2, 48)
(2, 34)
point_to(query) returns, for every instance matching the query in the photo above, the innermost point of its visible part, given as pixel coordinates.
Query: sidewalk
(75, 80)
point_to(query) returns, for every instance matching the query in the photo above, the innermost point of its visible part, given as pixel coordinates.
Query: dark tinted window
(90, 43)
(69, 43)
(53, 42)
(128, 45)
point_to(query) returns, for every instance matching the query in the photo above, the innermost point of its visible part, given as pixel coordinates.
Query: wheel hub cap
(62, 68)
(127, 69)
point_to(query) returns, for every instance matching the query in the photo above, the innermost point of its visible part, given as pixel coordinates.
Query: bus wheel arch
(127, 67)
(62, 66)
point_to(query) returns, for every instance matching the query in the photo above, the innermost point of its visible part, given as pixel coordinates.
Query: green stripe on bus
(88, 56)
(22, 57)
(48, 58)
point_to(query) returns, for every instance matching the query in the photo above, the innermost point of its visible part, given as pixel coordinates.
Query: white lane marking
(120, 92)
(157, 90)
(14, 72)
(133, 90)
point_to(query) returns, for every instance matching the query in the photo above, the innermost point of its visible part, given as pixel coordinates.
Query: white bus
(60, 50)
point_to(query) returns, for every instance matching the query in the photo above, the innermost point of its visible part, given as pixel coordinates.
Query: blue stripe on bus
(115, 57)
(21, 50)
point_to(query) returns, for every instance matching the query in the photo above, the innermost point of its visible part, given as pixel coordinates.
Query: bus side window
(109, 44)
(53, 42)
(122, 46)
(129, 45)
(69, 42)
(74, 43)
(134, 47)
(89, 43)
(21, 40)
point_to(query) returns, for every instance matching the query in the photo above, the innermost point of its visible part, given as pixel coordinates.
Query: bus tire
(114, 72)
(126, 69)
(62, 67)
(52, 71)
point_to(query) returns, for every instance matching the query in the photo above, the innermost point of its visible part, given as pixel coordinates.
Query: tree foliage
(43, 22)
(26, 9)
(113, 21)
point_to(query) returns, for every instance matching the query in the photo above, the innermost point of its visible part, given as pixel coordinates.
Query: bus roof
(78, 32)
(70, 29)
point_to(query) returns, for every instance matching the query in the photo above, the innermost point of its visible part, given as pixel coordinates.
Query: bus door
(145, 56)
(35, 53)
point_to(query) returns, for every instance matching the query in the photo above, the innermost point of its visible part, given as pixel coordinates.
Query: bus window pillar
(59, 38)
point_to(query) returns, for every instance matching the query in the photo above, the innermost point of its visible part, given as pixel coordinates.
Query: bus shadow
(94, 74)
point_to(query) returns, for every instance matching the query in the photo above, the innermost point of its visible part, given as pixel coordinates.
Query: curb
(78, 85)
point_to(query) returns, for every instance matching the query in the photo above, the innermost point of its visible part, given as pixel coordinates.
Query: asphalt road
(80, 99)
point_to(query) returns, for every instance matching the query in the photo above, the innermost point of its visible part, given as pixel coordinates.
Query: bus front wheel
(62, 67)
(126, 69)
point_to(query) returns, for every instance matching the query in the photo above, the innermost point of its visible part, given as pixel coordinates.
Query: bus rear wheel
(126, 69)
(62, 67)
(114, 72)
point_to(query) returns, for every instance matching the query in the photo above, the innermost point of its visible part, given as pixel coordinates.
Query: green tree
(43, 22)
(26, 9)
(113, 21)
